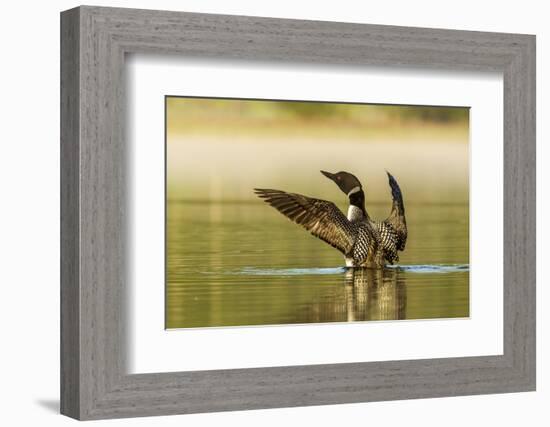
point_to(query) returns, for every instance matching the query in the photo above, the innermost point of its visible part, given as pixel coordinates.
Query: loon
(393, 230)
(356, 238)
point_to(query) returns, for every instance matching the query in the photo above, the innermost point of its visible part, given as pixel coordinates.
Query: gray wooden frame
(94, 41)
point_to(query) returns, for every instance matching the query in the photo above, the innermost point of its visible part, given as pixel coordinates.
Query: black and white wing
(397, 219)
(320, 217)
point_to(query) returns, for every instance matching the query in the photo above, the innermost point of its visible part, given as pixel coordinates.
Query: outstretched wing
(321, 218)
(397, 216)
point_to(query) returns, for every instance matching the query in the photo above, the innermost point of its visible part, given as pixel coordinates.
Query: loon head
(347, 182)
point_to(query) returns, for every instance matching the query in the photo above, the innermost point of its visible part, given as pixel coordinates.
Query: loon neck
(357, 199)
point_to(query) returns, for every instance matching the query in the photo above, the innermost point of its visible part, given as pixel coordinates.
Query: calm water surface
(233, 264)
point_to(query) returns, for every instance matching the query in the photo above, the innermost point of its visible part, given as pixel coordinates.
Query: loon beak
(328, 175)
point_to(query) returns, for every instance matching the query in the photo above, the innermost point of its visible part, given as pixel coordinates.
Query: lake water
(236, 264)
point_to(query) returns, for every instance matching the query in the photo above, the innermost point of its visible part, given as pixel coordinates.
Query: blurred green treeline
(185, 114)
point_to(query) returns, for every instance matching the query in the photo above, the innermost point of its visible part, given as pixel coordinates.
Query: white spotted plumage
(354, 213)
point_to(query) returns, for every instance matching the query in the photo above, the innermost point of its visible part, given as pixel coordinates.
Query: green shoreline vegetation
(200, 117)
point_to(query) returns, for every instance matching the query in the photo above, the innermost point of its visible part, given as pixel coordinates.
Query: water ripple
(425, 268)
(252, 271)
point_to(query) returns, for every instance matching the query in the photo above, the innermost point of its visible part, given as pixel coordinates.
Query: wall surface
(29, 225)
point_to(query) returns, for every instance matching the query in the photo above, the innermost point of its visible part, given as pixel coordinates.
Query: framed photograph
(262, 213)
(232, 262)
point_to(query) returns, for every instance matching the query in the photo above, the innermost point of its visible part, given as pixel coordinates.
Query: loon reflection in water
(367, 294)
(375, 294)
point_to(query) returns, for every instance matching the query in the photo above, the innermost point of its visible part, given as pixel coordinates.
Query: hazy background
(221, 149)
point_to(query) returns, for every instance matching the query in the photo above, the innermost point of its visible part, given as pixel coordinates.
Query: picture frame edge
(94, 384)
